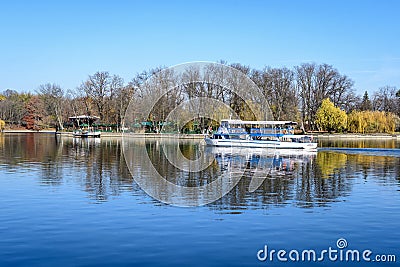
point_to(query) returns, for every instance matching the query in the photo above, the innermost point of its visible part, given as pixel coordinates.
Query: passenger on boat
(222, 130)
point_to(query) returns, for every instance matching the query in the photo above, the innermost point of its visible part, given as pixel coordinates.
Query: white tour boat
(86, 133)
(260, 134)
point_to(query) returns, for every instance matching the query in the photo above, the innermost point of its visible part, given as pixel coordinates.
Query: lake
(73, 202)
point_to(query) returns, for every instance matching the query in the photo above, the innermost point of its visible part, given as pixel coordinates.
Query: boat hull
(259, 144)
(87, 135)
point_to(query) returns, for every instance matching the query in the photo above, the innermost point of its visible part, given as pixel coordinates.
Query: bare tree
(386, 99)
(279, 89)
(122, 97)
(112, 112)
(97, 87)
(157, 93)
(53, 97)
(317, 82)
(13, 106)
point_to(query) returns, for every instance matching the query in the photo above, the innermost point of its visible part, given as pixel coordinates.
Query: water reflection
(264, 178)
(360, 143)
(102, 170)
(287, 179)
(97, 166)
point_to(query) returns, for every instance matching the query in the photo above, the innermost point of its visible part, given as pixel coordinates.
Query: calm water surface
(73, 202)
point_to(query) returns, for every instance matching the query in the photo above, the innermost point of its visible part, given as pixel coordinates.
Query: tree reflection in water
(267, 179)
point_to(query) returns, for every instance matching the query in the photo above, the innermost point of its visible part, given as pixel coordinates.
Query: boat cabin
(83, 121)
(255, 129)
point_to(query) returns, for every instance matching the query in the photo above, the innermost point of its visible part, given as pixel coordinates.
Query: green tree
(366, 103)
(330, 118)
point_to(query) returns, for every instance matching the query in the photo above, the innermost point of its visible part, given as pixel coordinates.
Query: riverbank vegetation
(332, 118)
(317, 96)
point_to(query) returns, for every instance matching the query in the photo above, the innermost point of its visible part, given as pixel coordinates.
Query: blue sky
(65, 41)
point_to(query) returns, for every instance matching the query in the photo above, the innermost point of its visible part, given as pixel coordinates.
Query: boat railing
(300, 138)
(236, 131)
(267, 132)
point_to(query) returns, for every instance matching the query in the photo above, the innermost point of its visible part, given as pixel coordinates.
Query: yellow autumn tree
(357, 121)
(2, 125)
(330, 162)
(371, 122)
(330, 118)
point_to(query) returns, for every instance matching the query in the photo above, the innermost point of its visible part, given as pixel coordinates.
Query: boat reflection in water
(277, 162)
(260, 164)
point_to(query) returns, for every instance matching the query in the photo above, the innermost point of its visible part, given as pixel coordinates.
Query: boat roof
(84, 117)
(260, 122)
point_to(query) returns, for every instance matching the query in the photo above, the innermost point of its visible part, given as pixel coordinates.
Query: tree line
(295, 94)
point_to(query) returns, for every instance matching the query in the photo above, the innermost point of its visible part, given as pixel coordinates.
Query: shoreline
(201, 136)
(357, 136)
(28, 131)
(112, 135)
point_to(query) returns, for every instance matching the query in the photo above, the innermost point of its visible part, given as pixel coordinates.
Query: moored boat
(86, 133)
(83, 125)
